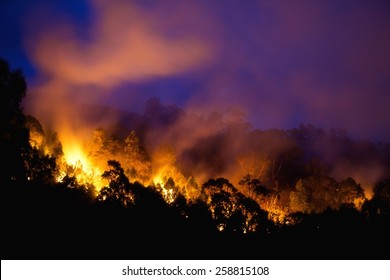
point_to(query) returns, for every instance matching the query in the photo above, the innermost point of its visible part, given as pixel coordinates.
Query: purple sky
(283, 62)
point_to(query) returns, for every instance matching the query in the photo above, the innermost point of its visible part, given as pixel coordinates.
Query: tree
(314, 194)
(169, 190)
(254, 163)
(47, 142)
(165, 165)
(349, 192)
(40, 167)
(379, 205)
(192, 189)
(254, 188)
(37, 134)
(118, 189)
(14, 136)
(378, 211)
(382, 192)
(137, 161)
(253, 217)
(102, 148)
(200, 220)
(43, 158)
(267, 199)
(219, 195)
(232, 211)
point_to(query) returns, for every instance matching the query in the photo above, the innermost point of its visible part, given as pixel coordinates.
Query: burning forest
(173, 129)
(88, 176)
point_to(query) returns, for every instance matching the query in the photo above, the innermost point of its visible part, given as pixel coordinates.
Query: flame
(74, 154)
(84, 171)
(157, 180)
(368, 192)
(167, 193)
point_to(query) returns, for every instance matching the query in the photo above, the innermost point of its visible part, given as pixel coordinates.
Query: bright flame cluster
(77, 162)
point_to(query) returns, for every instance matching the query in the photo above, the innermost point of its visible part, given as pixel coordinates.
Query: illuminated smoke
(262, 62)
(125, 44)
(285, 64)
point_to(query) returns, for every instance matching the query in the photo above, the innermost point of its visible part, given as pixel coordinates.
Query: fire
(74, 154)
(368, 192)
(157, 180)
(84, 171)
(167, 191)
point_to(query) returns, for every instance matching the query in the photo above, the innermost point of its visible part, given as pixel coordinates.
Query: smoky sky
(284, 62)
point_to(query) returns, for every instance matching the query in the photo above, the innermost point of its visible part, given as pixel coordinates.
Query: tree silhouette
(40, 167)
(314, 194)
(14, 137)
(137, 161)
(254, 188)
(103, 147)
(378, 208)
(382, 194)
(349, 192)
(27, 154)
(253, 217)
(219, 195)
(118, 190)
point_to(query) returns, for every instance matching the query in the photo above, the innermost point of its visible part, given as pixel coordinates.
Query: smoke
(366, 175)
(288, 63)
(282, 63)
(285, 64)
(124, 43)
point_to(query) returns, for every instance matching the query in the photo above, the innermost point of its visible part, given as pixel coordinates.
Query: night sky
(283, 62)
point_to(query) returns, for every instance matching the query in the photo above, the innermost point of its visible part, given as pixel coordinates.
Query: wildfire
(74, 155)
(276, 211)
(84, 171)
(167, 192)
(157, 180)
(368, 192)
(84, 161)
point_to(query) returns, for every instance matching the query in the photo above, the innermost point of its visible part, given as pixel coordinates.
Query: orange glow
(157, 180)
(368, 192)
(86, 173)
(167, 193)
(74, 154)
(126, 45)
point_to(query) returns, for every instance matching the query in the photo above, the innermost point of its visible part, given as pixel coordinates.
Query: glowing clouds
(122, 45)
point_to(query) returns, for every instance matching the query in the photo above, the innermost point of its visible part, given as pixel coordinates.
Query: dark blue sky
(283, 62)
